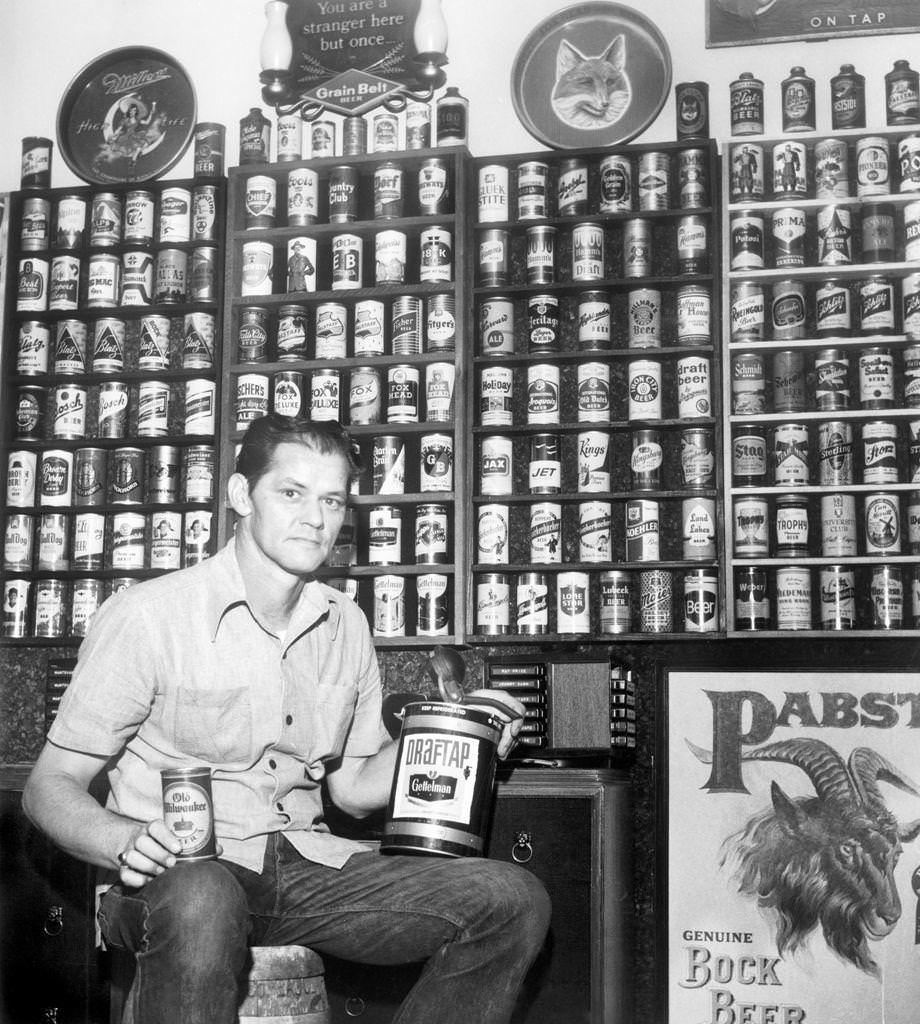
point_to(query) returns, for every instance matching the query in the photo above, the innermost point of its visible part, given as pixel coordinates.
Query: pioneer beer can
(546, 532)
(873, 166)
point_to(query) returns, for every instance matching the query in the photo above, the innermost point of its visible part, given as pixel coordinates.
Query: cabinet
(345, 290)
(822, 393)
(594, 394)
(572, 829)
(111, 395)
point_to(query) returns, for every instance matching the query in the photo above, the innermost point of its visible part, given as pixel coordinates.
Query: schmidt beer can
(748, 384)
(545, 470)
(838, 525)
(588, 252)
(431, 526)
(532, 603)
(496, 465)
(616, 184)
(188, 811)
(701, 601)
(656, 597)
(493, 604)
(573, 605)
(837, 597)
(793, 597)
(389, 465)
(615, 601)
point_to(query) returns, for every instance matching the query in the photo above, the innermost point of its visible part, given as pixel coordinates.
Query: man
(249, 665)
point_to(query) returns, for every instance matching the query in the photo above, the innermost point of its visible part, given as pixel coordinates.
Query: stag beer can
(886, 590)
(532, 189)
(837, 597)
(431, 526)
(493, 194)
(493, 604)
(790, 454)
(694, 399)
(573, 607)
(873, 166)
(835, 453)
(788, 227)
(389, 465)
(436, 259)
(882, 523)
(406, 326)
(644, 389)
(302, 196)
(532, 603)
(50, 608)
(325, 394)
(789, 381)
(543, 393)
(645, 461)
(748, 384)
(876, 378)
(70, 221)
(436, 462)
(188, 811)
(838, 525)
(593, 392)
(595, 520)
(833, 309)
(140, 207)
(701, 601)
(831, 169)
(748, 312)
(751, 526)
(876, 306)
(545, 468)
(790, 170)
(746, 235)
(431, 611)
(615, 601)
(497, 465)
(643, 531)
(654, 181)
(793, 597)
(593, 461)
(588, 252)
(20, 478)
(496, 326)
(546, 532)
(496, 393)
(637, 248)
(616, 183)
(347, 260)
(656, 596)
(15, 623)
(593, 321)
(492, 534)
(572, 187)
(752, 602)
(880, 452)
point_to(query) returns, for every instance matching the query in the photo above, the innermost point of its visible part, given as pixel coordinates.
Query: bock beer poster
(793, 822)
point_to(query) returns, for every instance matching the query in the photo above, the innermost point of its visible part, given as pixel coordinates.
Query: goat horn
(823, 765)
(868, 766)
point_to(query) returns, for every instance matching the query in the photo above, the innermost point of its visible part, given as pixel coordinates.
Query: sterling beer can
(835, 453)
(188, 811)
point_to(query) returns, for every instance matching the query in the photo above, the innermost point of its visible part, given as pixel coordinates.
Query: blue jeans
(478, 923)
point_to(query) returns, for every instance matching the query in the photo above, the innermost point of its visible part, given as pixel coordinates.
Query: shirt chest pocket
(214, 725)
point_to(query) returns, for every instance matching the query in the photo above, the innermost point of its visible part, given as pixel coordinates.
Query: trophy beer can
(751, 527)
(748, 384)
(188, 811)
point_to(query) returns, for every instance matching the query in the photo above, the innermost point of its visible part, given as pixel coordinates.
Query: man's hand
(148, 853)
(513, 722)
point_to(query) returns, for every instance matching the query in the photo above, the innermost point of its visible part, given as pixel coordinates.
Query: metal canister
(692, 178)
(388, 190)
(748, 384)
(70, 222)
(545, 468)
(615, 601)
(593, 321)
(798, 102)
(64, 282)
(390, 257)
(15, 621)
(330, 330)
(137, 278)
(902, 94)
(33, 346)
(406, 326)
(637, 247)
(876, 306)
(174, 223)
(532, 177)
(540, 259)
(697, 457)
(572, 187)
(752, 600)
(198, 341)
(837, 597)
(291, 338)
(698, 515)
(616, 183)
(163, 464)
(532, 603)
(188, 811)
(886, 591)
(496, 465)
(748, 312)
(402, 394)
(831, 169)
(369, 316)
(103, 280)
(251, 396)
(746, 172)
(835, 453)
(439, 392)
(882, 523)
(384, 530)
(364, 395)
(166, 540)
(746, 105)
(200, 407)
(347, 261)
(433, 187)
(302, 196)
(656, 597)
(876, 378)
(493, 194)
(171, 276)
(838, 525)
(493, 604)
(128, 540)
(573, 605)
(833, 309)
(911, 219)
(793, 597)
(593, 392)
(440, 324)
(643, 530)
(835, 235)
(32, 284)
(654, 180)
(911, 375)
(789, 381)
(701, 601)
(105, 219)
(694, 395)
(432, 618)
(343, 195)
(588, 251)
(109, 345)
(87, 596)
(751, 526)
(385, 132)
(204, 213)
(252, 335)
(496, 326)
(595, 522)
(788, 227)
(645, 461)
(354, 137)
(69, 411)
(326, 394)
(30, 411)
(258, 266)
(50, 608)
(594, 460)
(492, 524)
(692, 245)
(418, 124)
(88, 540)
(848, 99)
(496, 391)
(389, 465)
(288, 393)
(873, 166)
(21, 479)
(694, 315)
(35, 224)
(89, 477)
(791, 525)
(18, 542)
(126, 480)
(196, 537)
(431, 533)
(746, 235)
(878, 232)
(879, 452)
(545, 533)
(112, 409)
(436, 259)
(436, 462)
(543, 393)
(202, 274)
(644, 390)
(790, 170)
(790, 454)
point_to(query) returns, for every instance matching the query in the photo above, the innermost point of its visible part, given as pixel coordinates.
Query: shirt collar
(316, 600)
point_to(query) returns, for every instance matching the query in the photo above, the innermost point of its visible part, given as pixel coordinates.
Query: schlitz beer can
(15, 623)
(532, 603)
(546, 532)
(833, 309)
(112, 409)
(497, 465)
(69, 222)
(593, 392)
(694, 399)
(595, 519)
(88, 595)
(347, 261)
(166, 540)
(654, 181)
(572, 187)
(302, 196)
(128, 540)
(699, 529)
(902, 94)
(260, 201)
(436, 260)
(288, 397)
(543, 393)
(532, 190)
(787, 226)
(573, 609)
(876, 378)
(50, 608)
(656, 598)
(431, 605)
(643, 532)
(325, 394)
(20, 478)
(789, 381)
(431, 534)
(616, 184)
(188, 811)
(436, 462)
(831, 169)
(848, 99)
(496, 326)
(644, 390)
(910, 305)
(838, 525)
(752, 601)
(637, 248)
(790, 454)
(402, 394)
(886, 591)
(879, 452)
(873, 166)
(593, 461)
(384, 530)
(748, 384)
(35, 229)
(793, 597)
(32, 284)
(645, 461)
(882, 523)
(18, 542)
(163, 474)
(588, 252)
(389, 465)
(790, 170)
(33, 347)
(835, 453)
(492, 525)
(493, 604)
(694, 321)
(697, 457)
(593, 321)
(746, 105)
(791, 526)
(433, 188)
(701, 601)
(748, 312)
(545, 468)
(494, 257)
(751, 526)
(746, 234)
(615, 601)
(837, 597)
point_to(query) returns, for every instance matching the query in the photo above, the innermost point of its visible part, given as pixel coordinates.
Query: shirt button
(289, 719)
(280, 806)
(272, 763)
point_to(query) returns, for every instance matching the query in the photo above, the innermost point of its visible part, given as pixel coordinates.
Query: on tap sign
(349, 55)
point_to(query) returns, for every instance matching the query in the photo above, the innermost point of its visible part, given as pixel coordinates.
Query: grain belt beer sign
(350, 55)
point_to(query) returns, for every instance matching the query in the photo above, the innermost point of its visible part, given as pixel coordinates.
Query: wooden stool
(285, 985)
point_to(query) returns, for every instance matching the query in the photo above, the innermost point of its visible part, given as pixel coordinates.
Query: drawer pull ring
(54, 922)
(522, 851)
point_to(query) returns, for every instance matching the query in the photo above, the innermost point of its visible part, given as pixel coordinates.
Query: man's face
(295, 511)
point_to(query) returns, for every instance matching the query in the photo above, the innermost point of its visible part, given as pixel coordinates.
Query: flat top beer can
(188, 811)
(572, 187)
(746, 172)
(691, 100)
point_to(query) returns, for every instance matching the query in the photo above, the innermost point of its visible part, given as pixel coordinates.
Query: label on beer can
(492, 534)
(546, 532)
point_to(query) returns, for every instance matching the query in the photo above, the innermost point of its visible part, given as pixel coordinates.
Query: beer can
(645, 461)
(882, 523)
(322, 138)
(433, 189)
(440, 324)
(103, 280)
(89, 477)
(835, 453)
(30, 411)
(540, 259)
(69, 222)
(88, 540)
(112, 409)
(105, 219)
(644, 389)
(790, 170)
(200, 406)
(838, 525)
(545, 469)
(174, 223)
(343, 195)
(163, 463)
(748, 312)
(439, 392)
(431, 526)
(701, 601)
(543, 393)
(290, 137)
(880, 452)
(790, 454)
(418, 125)
(615, 601)
(492, 525)
(913, 522)
(637, 248)
(876, 378)
(15, 623)
(791, 526)
(831, 169)
(798, 102)
(288, 398)
(692, 178)
(50, 608)
(588, 251)
(70, 347)
(202, 274)
(196, 537)
(390, 257)
(330, 329)
(746, 239)
(837, 597)
(291, 339)
(389, 465)
(56, 478)
(594, 461)
(878, 232)
(402, 404)
(573, 606)
(835, 246)
(532, 603)
(543, 324)
(364, 397)
(18, 541)
(496, 391)
(252, 335)
(746, 111)
(848, 99)
(643, 531)
(593, 321)
(789, 381)
(128, 540)
(752, 601)
(572, 187)
(750, 526)
(654, 180)
(302, 196)
(496, 465)
(694, 320)
(347, 261)
(108, 345)
(33, 346)
(748, 384)
(694, 397)
(198, 341)
(699, 529)
(656, 598)
(188, 811)
(20, 478)
(873, 166)
(136, 278)
(493, 194)
(431, 610)
(385, 132)
(64, 282)
(406, 326)
(595, 523)
(644, 318)
(436, 255)
(166, 540)
(171, 276)
(546, 533)
(153, 401)
(902, 94)
(87, 597)
(204, 213)
(909, 163)
(746, 173)
(692, 245)
(35, 224)
(493, 604)
(793, 597)
(616, 183)
(251, 396)
(593, 392)
(368, 329)
(126, 479)
(876, 306)
(258, 266)
(788, 227)
(436, 462)
(325, 394)
(911, 218)
(532, 178)
(384, 531)
(913, 451)
(32, 284)
(886, 590)
(911, 376)
(496, 326)
(833, 309)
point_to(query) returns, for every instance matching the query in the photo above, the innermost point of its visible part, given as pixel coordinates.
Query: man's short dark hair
(264, 435)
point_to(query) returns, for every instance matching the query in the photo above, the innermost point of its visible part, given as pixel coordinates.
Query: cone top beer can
(798, 102)
(848, 99)
(746, 105)
(902, 94)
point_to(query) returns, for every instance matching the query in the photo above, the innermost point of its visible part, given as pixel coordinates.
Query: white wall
(45, 43)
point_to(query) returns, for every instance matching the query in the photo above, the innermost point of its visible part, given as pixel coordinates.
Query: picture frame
(791, 845)
(592, 74)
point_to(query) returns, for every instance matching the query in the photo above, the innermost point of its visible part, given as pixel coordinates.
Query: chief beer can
(532, 603)
(188, 811)
(746, 105)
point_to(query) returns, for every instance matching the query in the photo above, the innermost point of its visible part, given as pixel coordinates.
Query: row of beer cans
(398, 606)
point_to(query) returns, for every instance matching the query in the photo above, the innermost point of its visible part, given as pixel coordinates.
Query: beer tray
(127, 116)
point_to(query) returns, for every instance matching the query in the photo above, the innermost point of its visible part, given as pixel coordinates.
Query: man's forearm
(360, 786)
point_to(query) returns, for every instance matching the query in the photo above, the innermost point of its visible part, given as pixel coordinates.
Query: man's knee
(517, 896)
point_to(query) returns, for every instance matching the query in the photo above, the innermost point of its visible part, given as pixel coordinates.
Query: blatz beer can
(188, 811)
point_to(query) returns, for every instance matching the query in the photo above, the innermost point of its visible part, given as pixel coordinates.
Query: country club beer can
(188, 811)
